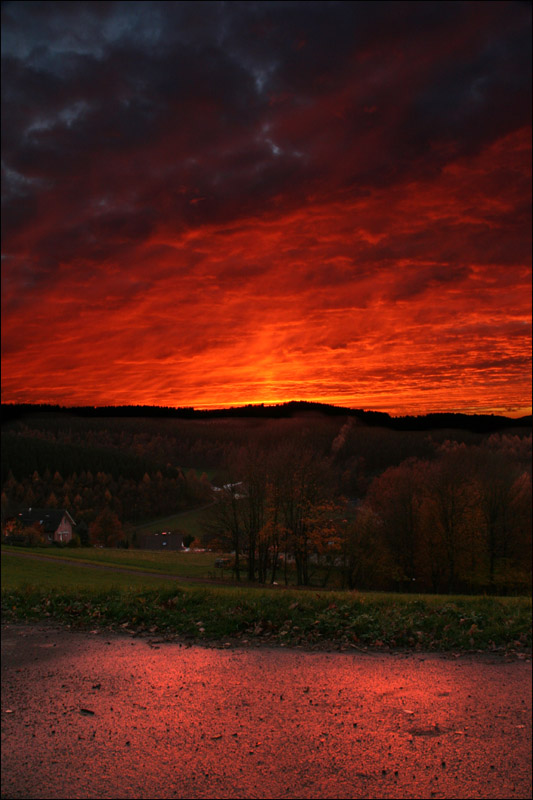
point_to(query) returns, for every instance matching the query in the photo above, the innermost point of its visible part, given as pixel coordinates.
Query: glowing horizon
(515, 414)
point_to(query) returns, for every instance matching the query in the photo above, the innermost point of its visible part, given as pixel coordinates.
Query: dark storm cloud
(237, 98)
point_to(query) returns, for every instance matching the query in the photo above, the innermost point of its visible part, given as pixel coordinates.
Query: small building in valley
(166, 540)
(56, 523)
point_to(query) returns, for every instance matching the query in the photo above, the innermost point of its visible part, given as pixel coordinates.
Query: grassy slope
(88, 598)
(22, 574)
(192, 522)
(191, 565)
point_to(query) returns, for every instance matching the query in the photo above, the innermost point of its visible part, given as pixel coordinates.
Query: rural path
(100, 715)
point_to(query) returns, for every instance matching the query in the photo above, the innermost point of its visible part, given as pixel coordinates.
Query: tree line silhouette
(482, 423)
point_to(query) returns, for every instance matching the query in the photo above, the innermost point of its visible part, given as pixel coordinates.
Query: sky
(221, 203)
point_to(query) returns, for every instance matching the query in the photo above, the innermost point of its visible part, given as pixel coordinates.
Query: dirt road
(105, 716)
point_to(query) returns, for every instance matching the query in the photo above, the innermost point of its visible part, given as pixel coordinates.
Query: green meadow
(86, 598)
(180, 564)
(26, 574)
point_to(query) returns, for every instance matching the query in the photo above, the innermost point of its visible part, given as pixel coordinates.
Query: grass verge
(68, 594)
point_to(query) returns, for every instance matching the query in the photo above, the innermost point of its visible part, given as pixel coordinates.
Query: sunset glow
(218, 204)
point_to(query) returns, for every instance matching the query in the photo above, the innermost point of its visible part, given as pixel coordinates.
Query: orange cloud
(410, 300)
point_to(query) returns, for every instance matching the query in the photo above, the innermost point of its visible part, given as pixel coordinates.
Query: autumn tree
(367, 562)
(306, 503)
(276, 501)
(504, 501)
(106, 529)
(252, 506)
(395, 497)
(451, 524)
(226, 522)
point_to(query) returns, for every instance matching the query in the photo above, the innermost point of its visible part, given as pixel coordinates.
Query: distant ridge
(482, 423)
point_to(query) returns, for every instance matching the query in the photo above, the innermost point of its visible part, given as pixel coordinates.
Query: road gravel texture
(100, 715)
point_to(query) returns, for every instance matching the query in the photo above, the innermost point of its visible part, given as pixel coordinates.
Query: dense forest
(417, 504)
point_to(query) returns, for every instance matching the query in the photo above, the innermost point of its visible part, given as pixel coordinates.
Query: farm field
(50, 574)
(180, 564)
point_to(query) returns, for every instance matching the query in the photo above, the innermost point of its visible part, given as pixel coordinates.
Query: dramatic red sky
(214, 204)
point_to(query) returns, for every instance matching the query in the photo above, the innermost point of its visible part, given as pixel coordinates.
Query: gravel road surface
(98, 715)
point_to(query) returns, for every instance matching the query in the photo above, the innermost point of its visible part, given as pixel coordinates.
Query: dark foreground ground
(96, 715)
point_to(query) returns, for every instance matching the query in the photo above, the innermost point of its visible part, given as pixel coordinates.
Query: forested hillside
(85, 470)
(439, 510)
